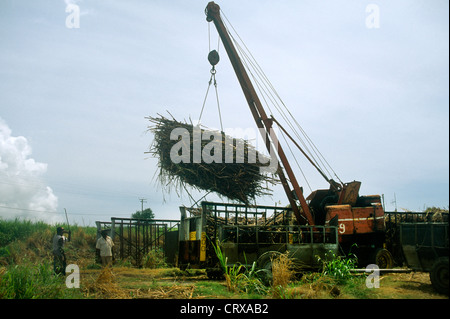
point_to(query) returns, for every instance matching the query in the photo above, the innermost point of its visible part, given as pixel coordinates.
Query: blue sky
(375, 101)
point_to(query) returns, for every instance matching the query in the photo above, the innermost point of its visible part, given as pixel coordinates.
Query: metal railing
(136, 237)
(279, 234)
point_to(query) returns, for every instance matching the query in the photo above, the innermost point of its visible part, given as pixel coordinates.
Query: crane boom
(262, 120)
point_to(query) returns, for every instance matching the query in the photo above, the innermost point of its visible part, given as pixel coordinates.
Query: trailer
(394, 220)
(425, 247)
(250, 234)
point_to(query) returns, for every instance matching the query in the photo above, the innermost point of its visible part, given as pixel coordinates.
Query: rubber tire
(264, 264)
(215, 273)
(439, 275)
(383, 258)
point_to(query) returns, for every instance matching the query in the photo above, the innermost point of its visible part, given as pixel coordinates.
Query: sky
(367, 80)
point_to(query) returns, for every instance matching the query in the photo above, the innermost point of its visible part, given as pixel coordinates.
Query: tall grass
(11, 230)
(34, 282)
(246, 280)
(240, 278)
(26, 261)
(282, 272)
(25, 241)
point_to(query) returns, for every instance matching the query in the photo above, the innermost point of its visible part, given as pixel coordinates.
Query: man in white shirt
(105, 245)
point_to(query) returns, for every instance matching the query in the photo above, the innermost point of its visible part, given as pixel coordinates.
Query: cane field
(26, 272)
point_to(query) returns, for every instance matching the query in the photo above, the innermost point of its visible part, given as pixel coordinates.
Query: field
(171, 283)
(26, 272)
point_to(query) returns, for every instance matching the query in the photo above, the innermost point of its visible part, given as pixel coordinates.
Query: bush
(154, 259)
(338, 267)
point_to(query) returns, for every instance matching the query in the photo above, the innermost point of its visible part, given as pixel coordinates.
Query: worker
(59, 256)
(105, 245)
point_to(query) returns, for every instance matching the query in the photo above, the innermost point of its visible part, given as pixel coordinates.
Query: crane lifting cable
(213, 58)
(271, 98)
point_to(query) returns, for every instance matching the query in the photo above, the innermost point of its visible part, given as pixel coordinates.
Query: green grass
(338, 267)
(34, 282)
(356, 288)
(218, 289)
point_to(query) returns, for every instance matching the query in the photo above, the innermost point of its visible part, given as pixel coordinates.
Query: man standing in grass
(59, 257)
(105, 245)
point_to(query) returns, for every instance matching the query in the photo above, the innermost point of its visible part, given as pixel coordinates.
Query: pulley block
(213, 57)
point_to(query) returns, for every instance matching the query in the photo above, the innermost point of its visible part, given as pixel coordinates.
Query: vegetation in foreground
(26, 272)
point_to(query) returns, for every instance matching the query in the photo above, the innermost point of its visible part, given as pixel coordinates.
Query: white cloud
(23, 193)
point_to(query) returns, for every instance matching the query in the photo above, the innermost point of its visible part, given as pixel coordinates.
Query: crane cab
(359, 219)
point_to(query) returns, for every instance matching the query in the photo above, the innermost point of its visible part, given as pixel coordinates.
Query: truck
(250, 234)
(425, 247)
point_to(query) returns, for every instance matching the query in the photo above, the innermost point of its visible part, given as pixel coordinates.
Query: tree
(146, 213)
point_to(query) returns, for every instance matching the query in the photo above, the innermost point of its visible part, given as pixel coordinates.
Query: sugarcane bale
(227, 166)
(440, 217)
(194, 211)
(285, 217)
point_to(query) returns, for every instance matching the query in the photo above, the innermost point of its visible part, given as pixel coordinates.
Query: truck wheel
(264, 264)
(439, 275)
(215, 273)
(383, 259)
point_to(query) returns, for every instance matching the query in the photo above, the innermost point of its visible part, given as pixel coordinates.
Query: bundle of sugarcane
(208, 160)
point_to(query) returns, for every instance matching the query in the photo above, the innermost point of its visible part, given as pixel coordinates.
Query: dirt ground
(416, 285)
(125, 283)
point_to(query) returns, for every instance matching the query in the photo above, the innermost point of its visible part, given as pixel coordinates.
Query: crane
(360, 219)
